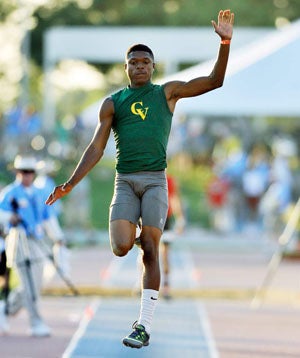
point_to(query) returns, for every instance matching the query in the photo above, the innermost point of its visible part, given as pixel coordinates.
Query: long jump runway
(180, 327)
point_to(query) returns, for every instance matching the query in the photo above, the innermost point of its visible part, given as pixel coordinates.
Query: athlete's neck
(139, 85)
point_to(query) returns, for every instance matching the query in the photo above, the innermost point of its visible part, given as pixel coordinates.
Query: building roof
(262, 79)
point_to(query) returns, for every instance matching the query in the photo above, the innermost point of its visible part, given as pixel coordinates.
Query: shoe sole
(134, 344)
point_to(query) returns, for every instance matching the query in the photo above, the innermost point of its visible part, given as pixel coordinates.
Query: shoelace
(136, 334)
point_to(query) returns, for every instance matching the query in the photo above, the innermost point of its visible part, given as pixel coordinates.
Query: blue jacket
(29, 204)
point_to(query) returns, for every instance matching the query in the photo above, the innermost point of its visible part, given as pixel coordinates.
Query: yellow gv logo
(138, 109)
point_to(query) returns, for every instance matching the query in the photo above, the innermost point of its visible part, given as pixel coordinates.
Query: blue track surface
(180, 329)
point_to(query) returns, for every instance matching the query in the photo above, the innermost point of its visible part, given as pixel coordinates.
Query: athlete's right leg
(122, 236)
(123, 216)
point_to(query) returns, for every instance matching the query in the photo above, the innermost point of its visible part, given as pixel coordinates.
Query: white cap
(25, 163)
(46, 166)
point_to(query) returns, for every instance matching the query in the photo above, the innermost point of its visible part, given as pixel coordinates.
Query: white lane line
(87, 317)
(207, 332)
(190, 269)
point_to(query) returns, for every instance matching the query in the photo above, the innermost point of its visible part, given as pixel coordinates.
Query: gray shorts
(140, 195)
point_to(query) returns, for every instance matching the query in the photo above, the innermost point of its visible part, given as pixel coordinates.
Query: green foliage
(102, 181)
(101, 189)
(6, 8)
(193, 181)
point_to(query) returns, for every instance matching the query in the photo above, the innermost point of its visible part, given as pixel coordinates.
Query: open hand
(58, 192)
(224, 27)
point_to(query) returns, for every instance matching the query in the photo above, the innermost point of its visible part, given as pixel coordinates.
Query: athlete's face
(139, 67)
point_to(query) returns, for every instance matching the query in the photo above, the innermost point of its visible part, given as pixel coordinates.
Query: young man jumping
(140, 116)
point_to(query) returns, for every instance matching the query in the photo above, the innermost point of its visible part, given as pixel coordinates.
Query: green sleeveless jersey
(141, 126)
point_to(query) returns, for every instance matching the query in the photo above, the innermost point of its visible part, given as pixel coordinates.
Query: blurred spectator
(23, 214)
(278, 199)
(22, 121)
(45, 183)
(12, 120)
(21, 125)
(255, 183)
(225, 190)
(174, 226)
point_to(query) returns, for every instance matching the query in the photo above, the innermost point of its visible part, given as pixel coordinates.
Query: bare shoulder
(107, 104)
(106, 109)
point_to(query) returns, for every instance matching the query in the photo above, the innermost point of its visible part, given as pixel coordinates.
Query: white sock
(148, 303)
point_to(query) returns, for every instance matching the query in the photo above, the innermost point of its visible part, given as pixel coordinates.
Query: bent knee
(120, 249)
(122, 235)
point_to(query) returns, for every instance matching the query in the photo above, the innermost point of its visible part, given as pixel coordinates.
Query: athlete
(140, 116)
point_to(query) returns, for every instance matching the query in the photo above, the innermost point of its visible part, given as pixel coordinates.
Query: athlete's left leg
(140, 336)
(150, 238)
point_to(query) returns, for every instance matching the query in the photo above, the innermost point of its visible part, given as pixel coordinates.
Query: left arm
(177, 89)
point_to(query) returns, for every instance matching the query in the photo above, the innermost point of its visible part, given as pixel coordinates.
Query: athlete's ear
(125, 66)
